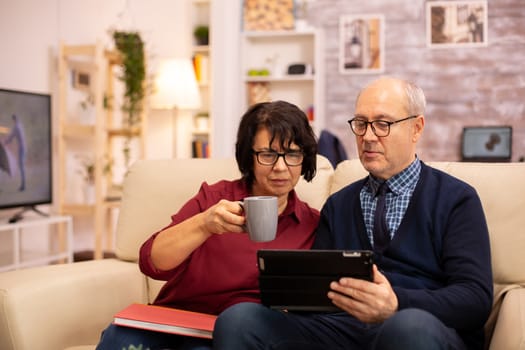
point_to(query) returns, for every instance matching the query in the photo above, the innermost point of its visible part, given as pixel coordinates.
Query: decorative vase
(89, 193)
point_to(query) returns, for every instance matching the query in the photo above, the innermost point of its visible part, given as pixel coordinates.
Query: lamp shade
(176, 86)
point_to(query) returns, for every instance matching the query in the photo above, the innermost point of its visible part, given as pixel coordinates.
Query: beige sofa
(61, 306)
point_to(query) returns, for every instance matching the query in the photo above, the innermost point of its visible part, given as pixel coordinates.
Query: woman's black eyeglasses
(293, 158)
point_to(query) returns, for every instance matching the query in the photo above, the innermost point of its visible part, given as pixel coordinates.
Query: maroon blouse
(223, 270)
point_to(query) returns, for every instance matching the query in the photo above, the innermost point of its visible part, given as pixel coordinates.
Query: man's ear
(419, 125)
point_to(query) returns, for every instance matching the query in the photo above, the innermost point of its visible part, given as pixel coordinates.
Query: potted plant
(201, 34)
(87, 171)
(131, 47)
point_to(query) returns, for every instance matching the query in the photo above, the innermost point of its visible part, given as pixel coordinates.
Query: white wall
(26, 37)
(226, 72)
(31, 31)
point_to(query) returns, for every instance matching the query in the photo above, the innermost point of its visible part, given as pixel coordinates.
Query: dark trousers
(249, 326)
(118, 337)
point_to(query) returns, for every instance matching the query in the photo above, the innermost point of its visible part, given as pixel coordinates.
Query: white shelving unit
(275, 51)
(201, 135)
(98, 138)
(19, 258)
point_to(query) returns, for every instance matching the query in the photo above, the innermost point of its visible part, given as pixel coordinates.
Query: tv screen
(487, 144)
(25, 149)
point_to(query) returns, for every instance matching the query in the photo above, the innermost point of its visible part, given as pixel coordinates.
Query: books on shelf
(201, 66)
(166, 320)
(200, 149)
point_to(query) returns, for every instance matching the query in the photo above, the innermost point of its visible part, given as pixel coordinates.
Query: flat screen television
(486, 144)
(25, 150)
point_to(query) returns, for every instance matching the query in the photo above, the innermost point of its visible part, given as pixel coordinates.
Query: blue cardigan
(439, 258)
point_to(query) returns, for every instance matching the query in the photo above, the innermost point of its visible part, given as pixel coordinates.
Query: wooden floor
(86, 255)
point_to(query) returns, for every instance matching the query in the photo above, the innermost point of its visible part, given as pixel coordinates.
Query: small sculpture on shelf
(202, 121)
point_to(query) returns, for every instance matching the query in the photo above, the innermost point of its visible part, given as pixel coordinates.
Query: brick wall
(463, 86)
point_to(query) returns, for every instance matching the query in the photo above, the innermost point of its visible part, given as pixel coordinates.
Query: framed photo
(456, 23)
(486, 144)
(81, 80)
(361, 44)
(261, 15)
(81, 73)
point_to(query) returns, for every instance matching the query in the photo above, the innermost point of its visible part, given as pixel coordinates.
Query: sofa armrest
(509, 332)
(57, 306)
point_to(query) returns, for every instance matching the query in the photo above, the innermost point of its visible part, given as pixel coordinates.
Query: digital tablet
(300, 279)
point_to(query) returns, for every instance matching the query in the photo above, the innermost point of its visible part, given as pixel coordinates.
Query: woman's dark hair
(286, 123)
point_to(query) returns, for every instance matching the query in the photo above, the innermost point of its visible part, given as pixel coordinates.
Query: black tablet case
(300, 279)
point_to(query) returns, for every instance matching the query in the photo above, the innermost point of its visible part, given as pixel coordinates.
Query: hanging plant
(131, 48)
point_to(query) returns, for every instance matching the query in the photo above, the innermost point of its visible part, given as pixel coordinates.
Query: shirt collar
(292, 207)
(399, 182)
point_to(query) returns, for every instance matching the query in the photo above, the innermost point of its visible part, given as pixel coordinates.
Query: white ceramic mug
(261, 213)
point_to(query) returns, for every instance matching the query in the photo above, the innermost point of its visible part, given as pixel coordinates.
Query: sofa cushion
(50, 307)
(502, 192)
(511, 318)
(317, 191)
(346, 172)
(155, 189)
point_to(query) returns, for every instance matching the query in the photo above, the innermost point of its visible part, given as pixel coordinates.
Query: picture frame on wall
(268, 15)
(456, 24)
(81, 73)
(81, 80)
(361, 44)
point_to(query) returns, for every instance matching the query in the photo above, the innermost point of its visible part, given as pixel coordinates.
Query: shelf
(200, 132)
(79, 50)
(33, 222)
(78, 209)
(275, 52)
(82, 65)
(76, 130)
(275, 34)
(128, 132)
(283, 78)
(201, 49)
(202, 56)
(103, 133)
(19, 258)
(113, 57)
(73, 130)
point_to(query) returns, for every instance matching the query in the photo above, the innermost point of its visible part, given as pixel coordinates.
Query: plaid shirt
(401, 187)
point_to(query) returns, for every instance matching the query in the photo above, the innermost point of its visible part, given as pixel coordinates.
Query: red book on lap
(167, 320)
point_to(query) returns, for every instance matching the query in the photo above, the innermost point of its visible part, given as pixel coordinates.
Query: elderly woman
(205, 255)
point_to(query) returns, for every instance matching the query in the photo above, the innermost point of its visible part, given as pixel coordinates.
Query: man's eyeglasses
(293, 158)
(381, 128)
